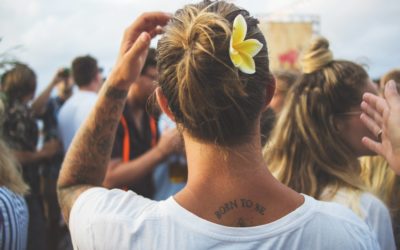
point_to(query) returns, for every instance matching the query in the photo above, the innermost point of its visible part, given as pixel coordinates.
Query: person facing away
(284, 80)
(378, 175)
(170, 176)
(394, 75)
(47, 108)
(13, 209)
(215, 90)
(137, 149)
(20, 132)
(316, 143)
(87, 76)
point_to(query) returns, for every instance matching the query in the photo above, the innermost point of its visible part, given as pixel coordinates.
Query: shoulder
(11, 202)
(371, 201)
(99, 202)
(373, 207)
(338, 222)
(101, 211)
(334, 211)
(377, 217)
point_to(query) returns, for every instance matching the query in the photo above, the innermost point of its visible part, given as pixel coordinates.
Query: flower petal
(247, 65)
(239, 30)
(235, 57)
(250, 47)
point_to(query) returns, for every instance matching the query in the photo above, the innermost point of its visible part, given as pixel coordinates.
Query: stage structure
(287, 36)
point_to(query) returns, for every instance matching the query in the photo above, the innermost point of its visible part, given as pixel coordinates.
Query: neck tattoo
(236, 204)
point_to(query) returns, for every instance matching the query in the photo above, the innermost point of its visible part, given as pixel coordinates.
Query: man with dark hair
(87, 76)
(84, 70)
(137, 149)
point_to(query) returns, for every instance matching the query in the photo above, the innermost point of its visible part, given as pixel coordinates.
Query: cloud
(52, 33)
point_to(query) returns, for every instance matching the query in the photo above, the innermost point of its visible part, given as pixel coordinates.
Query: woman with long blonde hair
(14, 214)
(377, 174)
(316, 143)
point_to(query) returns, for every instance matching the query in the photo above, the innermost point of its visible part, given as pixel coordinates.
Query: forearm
(86, 160)
(129, 172)
(85, 163)
(28, 157)
(39, 104)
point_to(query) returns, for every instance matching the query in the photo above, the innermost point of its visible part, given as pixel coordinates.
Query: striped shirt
(14, 219)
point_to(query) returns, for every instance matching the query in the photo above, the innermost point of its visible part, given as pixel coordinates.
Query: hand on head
(382, 116)
(134, 47)
(59, 76)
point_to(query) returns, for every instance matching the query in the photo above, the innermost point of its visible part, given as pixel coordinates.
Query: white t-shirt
(115, 219)
(73, 113)
(375, 214)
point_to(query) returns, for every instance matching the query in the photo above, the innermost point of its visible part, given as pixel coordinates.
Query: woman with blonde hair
(316, 143)
(214, 83)
(20, 132)
(14, 214)
(377, 174)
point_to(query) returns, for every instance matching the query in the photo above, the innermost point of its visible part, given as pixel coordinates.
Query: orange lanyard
(126, 146)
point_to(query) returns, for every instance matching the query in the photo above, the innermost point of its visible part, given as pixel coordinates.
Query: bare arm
(380, 114)
(49, 149)
(39, 104)
(86, 160)
(126, 173)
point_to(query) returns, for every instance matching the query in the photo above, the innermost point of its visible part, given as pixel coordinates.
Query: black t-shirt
(139, 144)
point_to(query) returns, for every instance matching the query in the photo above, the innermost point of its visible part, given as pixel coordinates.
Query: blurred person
(378, 175)
(21, 134)
(381, 117)
(268, 119)
(394, 75)
(215, 91)
(136, 141)
(382, 181)
(284, 80)
(316, 142)
(170, 176)
(47, 109)
(87, 76)
(13, 209)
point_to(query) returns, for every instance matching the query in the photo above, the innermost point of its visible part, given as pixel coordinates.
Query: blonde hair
(209, 97)
(382, 181)
(394, 75)
(306, 152)
(10, 171)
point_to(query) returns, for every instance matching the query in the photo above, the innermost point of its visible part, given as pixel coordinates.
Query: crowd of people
(197, 145)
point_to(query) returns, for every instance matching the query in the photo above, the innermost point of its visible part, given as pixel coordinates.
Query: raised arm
(39, 104)
(86, 160)
(383, 117)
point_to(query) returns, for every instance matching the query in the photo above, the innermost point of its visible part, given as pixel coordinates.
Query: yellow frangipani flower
(242, 51)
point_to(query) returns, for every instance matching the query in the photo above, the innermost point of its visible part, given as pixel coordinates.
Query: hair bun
(317, 55)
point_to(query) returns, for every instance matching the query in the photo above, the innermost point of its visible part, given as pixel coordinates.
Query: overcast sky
(52, 32)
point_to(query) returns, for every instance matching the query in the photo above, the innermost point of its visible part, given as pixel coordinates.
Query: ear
(269, 91)
(336, 123)
(163, 103)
